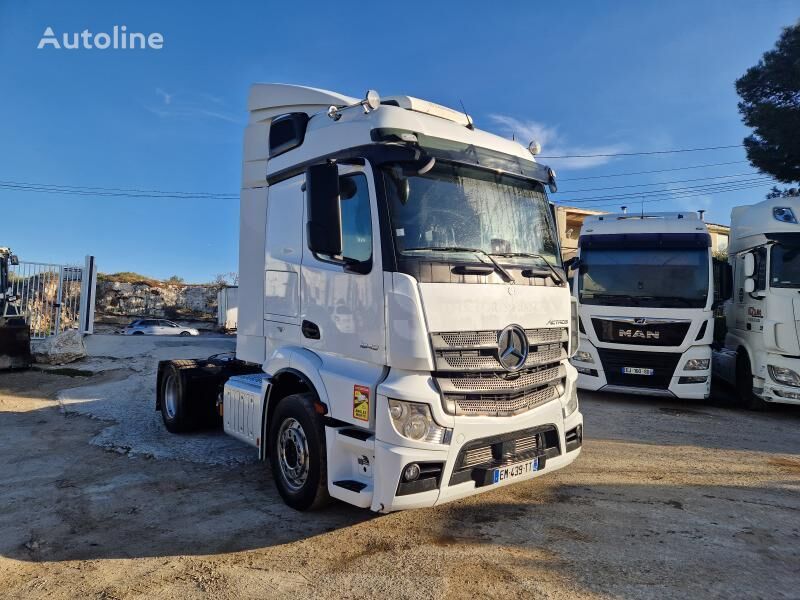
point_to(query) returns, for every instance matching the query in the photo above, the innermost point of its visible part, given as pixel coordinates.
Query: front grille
(651, 333)
(505, 405)
(473, 382)
(477, 458)
(662, 363)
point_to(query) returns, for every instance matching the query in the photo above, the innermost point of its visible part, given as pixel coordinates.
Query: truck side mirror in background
(13, 260)
(749, 285)
(324, 228)
(749, 265)
(572, 263)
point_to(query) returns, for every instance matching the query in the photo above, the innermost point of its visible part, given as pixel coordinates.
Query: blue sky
(584, 77)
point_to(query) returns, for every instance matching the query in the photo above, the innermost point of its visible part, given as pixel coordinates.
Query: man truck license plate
(516, 470)
(637, 371)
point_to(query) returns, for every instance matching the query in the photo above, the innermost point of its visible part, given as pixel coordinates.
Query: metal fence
(54, 298)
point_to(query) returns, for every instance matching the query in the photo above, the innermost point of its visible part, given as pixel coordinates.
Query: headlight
(583, 356)
(414, 421)
(784, 376)
(572, 404)
(696, 364)
(573, 327)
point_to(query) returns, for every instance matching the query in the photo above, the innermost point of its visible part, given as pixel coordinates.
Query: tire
(138, 333)
(184, 334)
(295, 424)
(744, 384)
(176, 409)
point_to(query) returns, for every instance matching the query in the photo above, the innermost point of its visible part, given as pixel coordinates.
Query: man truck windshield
(457, 208)
(785, 265)
(666, 278)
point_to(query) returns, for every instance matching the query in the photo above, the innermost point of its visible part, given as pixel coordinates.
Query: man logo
(512, 348)
(639, 333)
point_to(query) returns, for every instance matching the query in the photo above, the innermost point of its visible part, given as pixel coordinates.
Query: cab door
(342, 297)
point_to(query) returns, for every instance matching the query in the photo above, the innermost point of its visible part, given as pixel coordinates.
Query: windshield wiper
(498, 267)
(556, 276)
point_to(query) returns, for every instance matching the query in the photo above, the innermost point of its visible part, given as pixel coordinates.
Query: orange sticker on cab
(361, 402)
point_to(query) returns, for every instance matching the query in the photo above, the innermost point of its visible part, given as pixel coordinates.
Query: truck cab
(404, 318)
(643, 284)
(761, 355)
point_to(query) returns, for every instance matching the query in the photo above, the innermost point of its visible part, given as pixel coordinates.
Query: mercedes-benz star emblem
(512, 348)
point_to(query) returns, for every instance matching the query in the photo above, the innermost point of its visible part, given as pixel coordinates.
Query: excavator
(15, 333)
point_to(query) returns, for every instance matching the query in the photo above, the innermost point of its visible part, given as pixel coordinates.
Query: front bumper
(392, 455)
(778, 392)
(593, 377)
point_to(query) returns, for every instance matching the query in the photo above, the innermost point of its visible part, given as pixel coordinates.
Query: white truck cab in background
(643, 283)
(761, 355)
(405, 324)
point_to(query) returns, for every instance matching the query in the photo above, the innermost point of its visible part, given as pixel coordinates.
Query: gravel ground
(668, 500)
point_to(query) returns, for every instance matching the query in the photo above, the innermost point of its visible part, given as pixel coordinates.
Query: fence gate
(54, 298)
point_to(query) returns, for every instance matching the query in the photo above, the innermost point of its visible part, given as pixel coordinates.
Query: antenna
(470, 124)
(701, 212)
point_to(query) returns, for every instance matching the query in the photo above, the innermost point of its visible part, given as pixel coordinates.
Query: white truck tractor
(405, 324)
(644, 287)
(761, 355)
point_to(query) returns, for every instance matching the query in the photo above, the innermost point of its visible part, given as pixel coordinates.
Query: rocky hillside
(131, 295)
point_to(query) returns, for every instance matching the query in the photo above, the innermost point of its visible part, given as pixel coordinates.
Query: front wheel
(297, 453)
(744, 384)
(185, 333)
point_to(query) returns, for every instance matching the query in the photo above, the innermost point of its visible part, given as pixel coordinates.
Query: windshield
(461, 210)
(665, 278)
(785, 265)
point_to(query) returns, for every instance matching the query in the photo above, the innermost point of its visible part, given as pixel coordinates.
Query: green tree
(175, 279)
(770, 105)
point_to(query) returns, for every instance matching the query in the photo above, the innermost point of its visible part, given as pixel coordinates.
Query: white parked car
(158, 327)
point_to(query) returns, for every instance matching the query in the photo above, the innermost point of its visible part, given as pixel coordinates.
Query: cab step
(349, 484)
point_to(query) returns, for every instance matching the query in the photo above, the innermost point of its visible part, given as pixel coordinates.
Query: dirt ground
(668, 500)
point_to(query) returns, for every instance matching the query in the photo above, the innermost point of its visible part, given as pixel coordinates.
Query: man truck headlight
(784, 376)
(583, 356)
(573, 327)
(414, 421)
(696, 364)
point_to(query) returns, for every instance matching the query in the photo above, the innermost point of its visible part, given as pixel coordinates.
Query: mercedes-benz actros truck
(644, 288)
(405, 323)
(761, 353)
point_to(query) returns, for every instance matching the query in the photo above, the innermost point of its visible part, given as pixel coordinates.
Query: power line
(704, 187)
(649, 153)
(675, 196)
(111, 192)
(733, 162)
(632, 185)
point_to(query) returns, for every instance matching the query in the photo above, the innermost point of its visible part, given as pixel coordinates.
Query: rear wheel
(297, 453)
(176, 409)
(744, 384)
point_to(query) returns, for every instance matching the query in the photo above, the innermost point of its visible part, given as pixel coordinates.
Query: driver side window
(356, 218)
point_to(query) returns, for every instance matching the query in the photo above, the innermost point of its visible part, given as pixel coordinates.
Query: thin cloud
(554, 144)
(190, 106)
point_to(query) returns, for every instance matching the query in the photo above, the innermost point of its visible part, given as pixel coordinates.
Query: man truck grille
(649, 333)
(477, 458)
(663, 365)
(474, 383)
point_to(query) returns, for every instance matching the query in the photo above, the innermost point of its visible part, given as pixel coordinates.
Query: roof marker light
(534, 147)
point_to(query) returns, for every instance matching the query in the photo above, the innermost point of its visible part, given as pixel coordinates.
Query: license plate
(514, 471)
(637, 371)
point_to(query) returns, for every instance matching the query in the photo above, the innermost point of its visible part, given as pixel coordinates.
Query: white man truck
(761, 354)
(643, 283)
(405, 324)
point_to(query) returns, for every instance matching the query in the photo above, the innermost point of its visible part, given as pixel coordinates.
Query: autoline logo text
(119, 38)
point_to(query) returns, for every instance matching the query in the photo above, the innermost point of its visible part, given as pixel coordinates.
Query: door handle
(310, 330)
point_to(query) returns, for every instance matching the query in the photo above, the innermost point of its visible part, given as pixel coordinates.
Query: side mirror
(749, 285)
(749, 264)
(726, 283)
(13, 260)
(572, 263)
(324, 227)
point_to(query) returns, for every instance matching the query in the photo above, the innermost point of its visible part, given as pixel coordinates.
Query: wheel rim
(171, 396)
(293, 456)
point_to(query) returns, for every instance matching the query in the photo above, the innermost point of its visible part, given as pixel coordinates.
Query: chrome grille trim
(503, 405)
(476, 360)
(449, 340)
(517, 450)
(468, 383)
